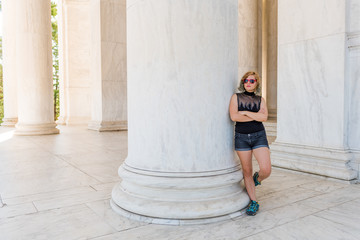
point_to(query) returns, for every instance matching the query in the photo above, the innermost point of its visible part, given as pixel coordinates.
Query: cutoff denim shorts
(246, 142)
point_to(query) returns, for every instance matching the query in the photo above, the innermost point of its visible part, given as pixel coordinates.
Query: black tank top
(248, 102)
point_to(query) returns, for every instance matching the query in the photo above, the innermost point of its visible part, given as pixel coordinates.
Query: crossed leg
(262, 156)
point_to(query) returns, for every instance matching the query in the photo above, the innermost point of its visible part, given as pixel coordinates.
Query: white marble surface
(299, 22)
(34, 68)
(179, 89)
(74, 53)
(354, 9)
(316, 228)
(317, 88)
(108, 66)
(248, 37)
(76, 222)
(353, 82)
(9, 63)
(311, 92)
(186, 58)
(290, 202)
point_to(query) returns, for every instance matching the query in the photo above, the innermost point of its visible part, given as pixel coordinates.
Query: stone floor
(58, 187)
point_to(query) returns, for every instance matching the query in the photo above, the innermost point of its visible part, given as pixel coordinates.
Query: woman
(249, 110)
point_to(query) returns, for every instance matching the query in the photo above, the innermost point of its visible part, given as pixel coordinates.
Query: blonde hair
(258, 82)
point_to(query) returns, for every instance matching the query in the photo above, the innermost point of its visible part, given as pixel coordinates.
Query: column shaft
(9, 63)
(34, 68)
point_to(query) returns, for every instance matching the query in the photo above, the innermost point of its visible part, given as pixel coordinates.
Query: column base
(335, 163)
(179, 198)
(175, 222)
(103, 126)
(35, 129)
(9, 122)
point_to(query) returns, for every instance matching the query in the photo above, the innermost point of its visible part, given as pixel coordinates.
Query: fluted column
(9, 63)
(108, 65)
(34, 68)
(182, 71)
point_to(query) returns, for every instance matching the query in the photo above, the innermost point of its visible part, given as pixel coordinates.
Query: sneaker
(255, 177)
(253, 207)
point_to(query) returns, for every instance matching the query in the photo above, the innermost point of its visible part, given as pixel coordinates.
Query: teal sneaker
(255, 177)
(253, 207)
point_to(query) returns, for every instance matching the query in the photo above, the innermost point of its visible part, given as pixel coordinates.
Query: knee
(265, 172)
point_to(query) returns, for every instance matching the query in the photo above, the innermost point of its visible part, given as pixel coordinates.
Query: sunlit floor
(59, 186)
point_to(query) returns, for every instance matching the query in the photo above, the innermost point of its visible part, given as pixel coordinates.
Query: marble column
(353, 81)
(313, 90)
(182, 70)
(74, 58)
(248, 37)
(271, 87)
(34, 68)
(9, 63)
(108, 65)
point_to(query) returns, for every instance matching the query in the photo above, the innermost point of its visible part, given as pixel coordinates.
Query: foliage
(55, 52)
(1, 85)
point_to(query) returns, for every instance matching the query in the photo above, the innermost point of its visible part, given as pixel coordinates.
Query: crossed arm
(246, 116)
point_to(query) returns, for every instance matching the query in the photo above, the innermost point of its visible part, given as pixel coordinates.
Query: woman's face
(250, 83)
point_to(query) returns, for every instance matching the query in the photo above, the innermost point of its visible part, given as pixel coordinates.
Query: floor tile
(8, 211)
(310, 227)
(14, 185)
(120, 223)
(74, 199)
(78, 222)
(48, 195)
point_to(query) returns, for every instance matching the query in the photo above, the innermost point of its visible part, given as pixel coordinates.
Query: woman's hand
(261, 115)
(243, 113)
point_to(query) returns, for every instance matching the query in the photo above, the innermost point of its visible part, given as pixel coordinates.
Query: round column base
(177, 199)
(175, 222)
(35, 129)
(9, 122)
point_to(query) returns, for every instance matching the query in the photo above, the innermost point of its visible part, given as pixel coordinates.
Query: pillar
(182, 70)
(248, 37)
(34, 68)
(353, 81)
(9, 63)
(313, 90)
(75, 62)
(108, 65)
(271, 68)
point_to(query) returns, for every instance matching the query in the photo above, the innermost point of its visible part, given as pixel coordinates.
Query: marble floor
(58, 187)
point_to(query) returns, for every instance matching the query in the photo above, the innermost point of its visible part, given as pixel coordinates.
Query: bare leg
(246, 163)
(262, 156)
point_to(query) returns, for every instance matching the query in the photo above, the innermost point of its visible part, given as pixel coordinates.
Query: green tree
(1, 83)
(55, 52)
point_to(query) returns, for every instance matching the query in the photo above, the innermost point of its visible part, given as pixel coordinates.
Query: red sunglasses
(249, 80)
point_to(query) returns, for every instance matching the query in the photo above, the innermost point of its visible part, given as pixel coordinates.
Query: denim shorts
(246, 142)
